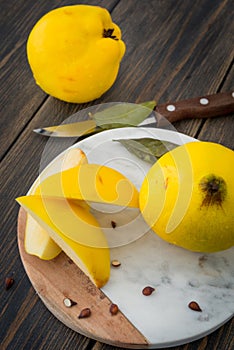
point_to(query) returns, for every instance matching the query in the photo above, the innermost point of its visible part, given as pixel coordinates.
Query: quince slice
(92, 183)
(37, 241)
(63, 219)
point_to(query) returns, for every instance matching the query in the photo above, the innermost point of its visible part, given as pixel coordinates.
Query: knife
(219, 104)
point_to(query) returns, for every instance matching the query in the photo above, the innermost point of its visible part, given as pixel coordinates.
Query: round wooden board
(143, 320)
(56, 279)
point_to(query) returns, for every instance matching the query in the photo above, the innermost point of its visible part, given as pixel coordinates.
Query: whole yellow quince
(187, 197)
(75, 52)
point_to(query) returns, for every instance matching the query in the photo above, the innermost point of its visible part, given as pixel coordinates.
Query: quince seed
(8, 282)
(113, 224)
(85, 313)
(148, 290)
(115, 263)
(193, 305)
(114, 309)
(68, 302)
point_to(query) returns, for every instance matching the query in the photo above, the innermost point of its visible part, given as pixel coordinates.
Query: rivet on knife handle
(199, 107)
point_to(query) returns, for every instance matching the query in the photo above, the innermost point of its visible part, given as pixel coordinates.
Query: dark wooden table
(176, 49)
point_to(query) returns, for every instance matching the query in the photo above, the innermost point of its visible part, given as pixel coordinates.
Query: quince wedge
(62, 219)
(37, 241)
(92, 183)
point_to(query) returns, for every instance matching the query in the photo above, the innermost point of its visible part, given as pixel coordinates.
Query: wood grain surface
(176, 49)
(60, 278)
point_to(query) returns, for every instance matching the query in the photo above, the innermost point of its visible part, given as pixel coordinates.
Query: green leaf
(123, 114)
(147, 149)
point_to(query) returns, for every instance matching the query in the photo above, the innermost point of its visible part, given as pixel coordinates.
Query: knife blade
(219, 104)
(76, 129)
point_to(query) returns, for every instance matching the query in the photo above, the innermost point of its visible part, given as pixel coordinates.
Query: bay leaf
(123, 115)
(147, 149)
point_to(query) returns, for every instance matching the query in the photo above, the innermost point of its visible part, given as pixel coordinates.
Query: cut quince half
(37, 241)
(75, 230)
(92, 183)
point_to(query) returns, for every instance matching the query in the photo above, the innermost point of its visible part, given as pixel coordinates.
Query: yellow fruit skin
(37, 241)
(91, 182)
(174, 205)
(69, 56)
(62, 218)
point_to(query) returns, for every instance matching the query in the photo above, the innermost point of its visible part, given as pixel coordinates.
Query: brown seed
(9, 281)
(193, 305)
(85, 313)
(115, 263)
(113, 224)
(68, 302)
(114, 309)
(148, 290)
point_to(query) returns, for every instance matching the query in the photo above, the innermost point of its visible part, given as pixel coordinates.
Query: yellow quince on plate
(187, 197)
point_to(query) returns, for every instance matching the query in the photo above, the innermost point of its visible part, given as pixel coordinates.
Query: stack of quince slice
(59, 217)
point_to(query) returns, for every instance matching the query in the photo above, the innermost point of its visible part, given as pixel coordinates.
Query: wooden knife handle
(219, 104)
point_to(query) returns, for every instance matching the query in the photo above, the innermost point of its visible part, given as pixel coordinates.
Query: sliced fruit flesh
(37, 241)
(91, 182)
(92, 254)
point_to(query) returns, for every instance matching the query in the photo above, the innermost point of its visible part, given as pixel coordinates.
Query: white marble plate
(178, 276)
